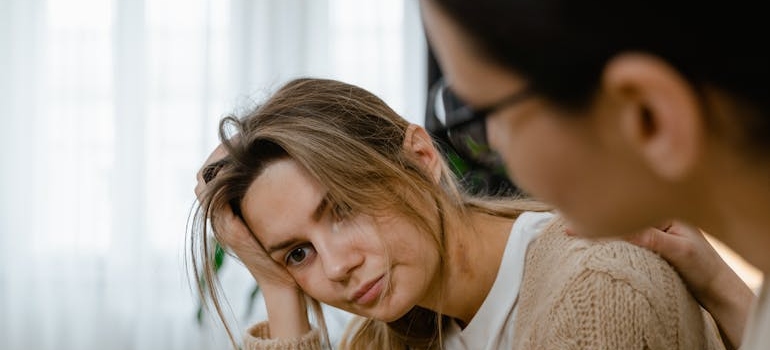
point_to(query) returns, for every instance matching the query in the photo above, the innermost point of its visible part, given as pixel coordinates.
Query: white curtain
(107, 108)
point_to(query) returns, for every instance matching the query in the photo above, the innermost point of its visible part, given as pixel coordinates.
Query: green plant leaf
(219, 256)
(219, 260)
(252, 300)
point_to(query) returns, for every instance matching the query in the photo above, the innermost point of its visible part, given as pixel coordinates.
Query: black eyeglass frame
(465, 126)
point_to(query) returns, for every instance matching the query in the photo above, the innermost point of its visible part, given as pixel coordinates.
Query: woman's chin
(386, 313)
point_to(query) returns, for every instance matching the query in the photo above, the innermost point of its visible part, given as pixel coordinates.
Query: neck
(734, 206)
(474, 250)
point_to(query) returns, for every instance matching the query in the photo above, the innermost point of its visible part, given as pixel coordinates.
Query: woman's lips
(369, 292)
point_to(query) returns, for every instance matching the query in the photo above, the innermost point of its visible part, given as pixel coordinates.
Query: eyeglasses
(466, 128)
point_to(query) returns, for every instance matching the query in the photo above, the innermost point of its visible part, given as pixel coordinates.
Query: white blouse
(492, 326)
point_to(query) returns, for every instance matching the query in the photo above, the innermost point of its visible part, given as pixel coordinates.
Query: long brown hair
(350, 141)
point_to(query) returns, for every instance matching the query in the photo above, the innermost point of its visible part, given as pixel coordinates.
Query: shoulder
(608, 255)
(574, 262)
(572, 283)
(531, 224)
(624, 272)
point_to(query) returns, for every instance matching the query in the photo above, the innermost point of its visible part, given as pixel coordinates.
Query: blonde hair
(350, 141)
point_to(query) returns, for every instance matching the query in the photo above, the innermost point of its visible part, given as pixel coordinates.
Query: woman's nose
(339, 257)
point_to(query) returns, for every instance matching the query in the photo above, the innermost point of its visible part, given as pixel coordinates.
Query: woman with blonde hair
(328, 196)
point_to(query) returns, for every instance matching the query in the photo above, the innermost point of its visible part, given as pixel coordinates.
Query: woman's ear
(661, 116)
(420, 145)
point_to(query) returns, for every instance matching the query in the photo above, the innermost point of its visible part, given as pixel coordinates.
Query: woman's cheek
(303, 281)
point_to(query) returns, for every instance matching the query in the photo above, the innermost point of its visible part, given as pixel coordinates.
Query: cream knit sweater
(578, 294)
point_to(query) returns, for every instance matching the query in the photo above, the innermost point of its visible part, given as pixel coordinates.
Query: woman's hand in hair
(716, 286)
(284, 300)
(235, 236)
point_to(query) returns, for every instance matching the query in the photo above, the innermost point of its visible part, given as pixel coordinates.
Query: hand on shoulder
(708, 277)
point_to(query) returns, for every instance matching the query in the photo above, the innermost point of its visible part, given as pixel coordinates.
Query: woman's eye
(298, 255)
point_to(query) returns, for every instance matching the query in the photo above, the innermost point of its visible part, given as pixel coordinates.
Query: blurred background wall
(108, 108)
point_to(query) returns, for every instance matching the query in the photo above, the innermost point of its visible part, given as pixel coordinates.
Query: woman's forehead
(283, 195)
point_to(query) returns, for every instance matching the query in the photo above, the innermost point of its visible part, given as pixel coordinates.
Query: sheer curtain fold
(109, 106)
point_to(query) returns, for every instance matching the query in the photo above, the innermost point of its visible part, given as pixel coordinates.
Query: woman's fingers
(210, 169)
(670, 244)
(233, 233)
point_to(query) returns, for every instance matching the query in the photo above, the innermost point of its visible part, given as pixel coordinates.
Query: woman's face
(569, 159)
(374, 267)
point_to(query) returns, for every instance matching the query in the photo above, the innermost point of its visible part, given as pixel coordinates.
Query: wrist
(727, 291)
(729, 301)
(286, 311)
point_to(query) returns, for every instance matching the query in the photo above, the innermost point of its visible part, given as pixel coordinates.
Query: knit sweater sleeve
(258, 338)
(609, 295)
(597, 311)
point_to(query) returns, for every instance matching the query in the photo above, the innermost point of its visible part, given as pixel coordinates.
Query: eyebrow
(281, 246)
(316, 216)
(321, 208)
